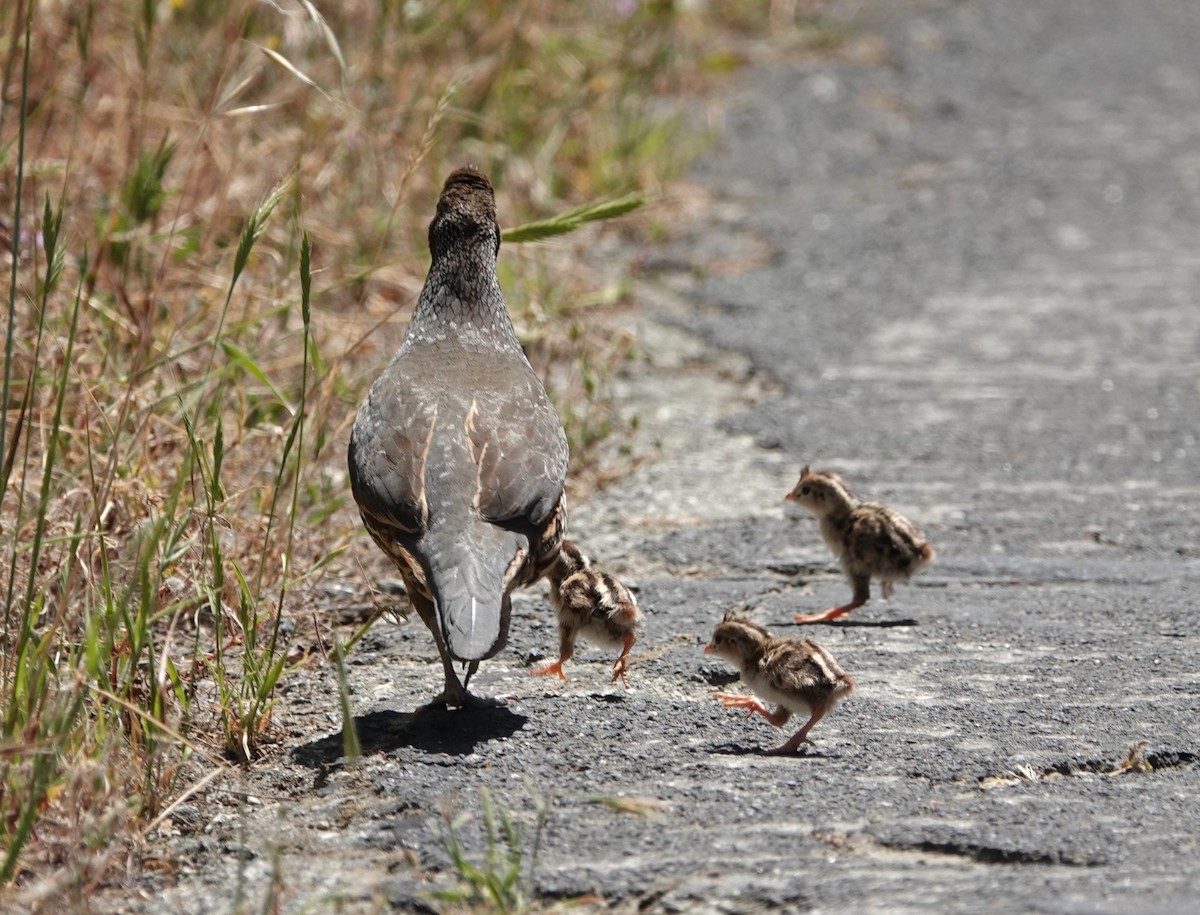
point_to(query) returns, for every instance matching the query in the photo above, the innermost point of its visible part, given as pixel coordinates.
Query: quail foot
(457, 458)
(868, 538)
(796, 675)
(594, 604)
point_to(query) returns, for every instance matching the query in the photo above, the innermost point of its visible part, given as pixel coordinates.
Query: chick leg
(753, 705)
(801, 736)
(556, 668)
(563, 561)
(862, 594)
(592, 603)
(619, 666)
(566, 648)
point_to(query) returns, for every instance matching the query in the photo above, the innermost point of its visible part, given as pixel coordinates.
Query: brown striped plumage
(796, 675)
(868, 538)
(591, 603)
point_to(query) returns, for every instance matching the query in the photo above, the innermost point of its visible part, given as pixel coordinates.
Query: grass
(213, 215)
(495, 862)
(500, 879)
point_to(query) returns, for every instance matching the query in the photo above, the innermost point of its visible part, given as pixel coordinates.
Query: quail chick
(457, 458)
(796, 675)
(868, 538)
(594, 604)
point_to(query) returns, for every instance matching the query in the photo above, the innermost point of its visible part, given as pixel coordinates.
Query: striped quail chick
(457, 458)
(796, 675)
(594, 604)
(868, 538)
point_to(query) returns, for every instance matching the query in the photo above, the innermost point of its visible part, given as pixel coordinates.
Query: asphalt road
(968, 255)
(958, 263)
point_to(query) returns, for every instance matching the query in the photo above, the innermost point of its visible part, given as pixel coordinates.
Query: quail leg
(566, 648)
(619, 666)
(862, 594)
(800, 737)
(753, 705)
(455, 693)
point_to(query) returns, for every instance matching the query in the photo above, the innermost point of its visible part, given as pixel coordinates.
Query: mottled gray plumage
(457, 459)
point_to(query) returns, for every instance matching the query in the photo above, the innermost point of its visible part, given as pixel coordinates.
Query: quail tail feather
(469, 596)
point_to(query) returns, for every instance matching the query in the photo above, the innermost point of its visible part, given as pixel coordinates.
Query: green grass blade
(568, 222)
(52, 449)
(244, 360)
(351, 747)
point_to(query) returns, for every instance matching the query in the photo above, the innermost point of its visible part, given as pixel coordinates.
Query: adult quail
(868, 538)
(457, 457)
(797, 675)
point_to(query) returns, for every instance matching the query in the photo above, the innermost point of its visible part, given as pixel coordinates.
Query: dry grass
(213, 214)
(217, 210)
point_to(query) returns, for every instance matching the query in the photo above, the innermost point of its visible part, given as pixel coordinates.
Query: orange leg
(801, 736)
(752, 706)
(619, 666)
(555, 668)
(566, 648)
(862, 594)
(832, 613)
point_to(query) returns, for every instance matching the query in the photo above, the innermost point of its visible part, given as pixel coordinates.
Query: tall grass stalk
(172, 426)
(32, 709)
(18, 197)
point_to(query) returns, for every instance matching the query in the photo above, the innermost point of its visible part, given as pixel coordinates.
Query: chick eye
(805, 490)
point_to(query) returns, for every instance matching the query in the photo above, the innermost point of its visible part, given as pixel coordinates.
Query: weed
(235, 198)
(503, 880)
(1134, 761)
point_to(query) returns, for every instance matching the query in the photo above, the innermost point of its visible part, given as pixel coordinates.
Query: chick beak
(790, 497)
(710, 648)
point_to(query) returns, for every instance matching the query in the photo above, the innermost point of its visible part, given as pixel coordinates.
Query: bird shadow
(432, 730)
(737, 749)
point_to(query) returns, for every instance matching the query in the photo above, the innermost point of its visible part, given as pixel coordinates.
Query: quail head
(868, 538)
(594, 604)
(796, 675)
(457, 458)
